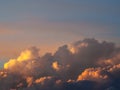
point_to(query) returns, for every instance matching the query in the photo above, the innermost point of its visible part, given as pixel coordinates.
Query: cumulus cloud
(28, 54)
(93, 74)
(86, 65)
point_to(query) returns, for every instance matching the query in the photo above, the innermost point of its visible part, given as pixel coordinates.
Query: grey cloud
(81, 65)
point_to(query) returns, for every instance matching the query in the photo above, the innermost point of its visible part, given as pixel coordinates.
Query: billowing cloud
(29, 54)
(92, 74)
(86, 65)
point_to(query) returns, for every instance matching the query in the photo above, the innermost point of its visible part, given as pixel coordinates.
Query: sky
(48, 24)
(59, 44)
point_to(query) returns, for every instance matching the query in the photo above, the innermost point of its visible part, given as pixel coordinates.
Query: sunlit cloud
(93, 63)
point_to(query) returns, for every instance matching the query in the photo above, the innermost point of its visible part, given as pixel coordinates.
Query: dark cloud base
(84, 65)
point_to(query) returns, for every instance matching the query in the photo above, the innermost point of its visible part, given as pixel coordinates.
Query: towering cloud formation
(83, 65)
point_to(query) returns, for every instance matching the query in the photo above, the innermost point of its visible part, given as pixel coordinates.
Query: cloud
(56, 66)
(42, 80)
(29, 81)
(93, 74)
(29, 54)
(86, 64)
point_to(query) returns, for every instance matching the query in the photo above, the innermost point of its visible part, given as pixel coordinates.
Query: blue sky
(50, 23)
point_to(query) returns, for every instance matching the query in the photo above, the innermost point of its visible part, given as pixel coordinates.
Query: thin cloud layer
(84, 65)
